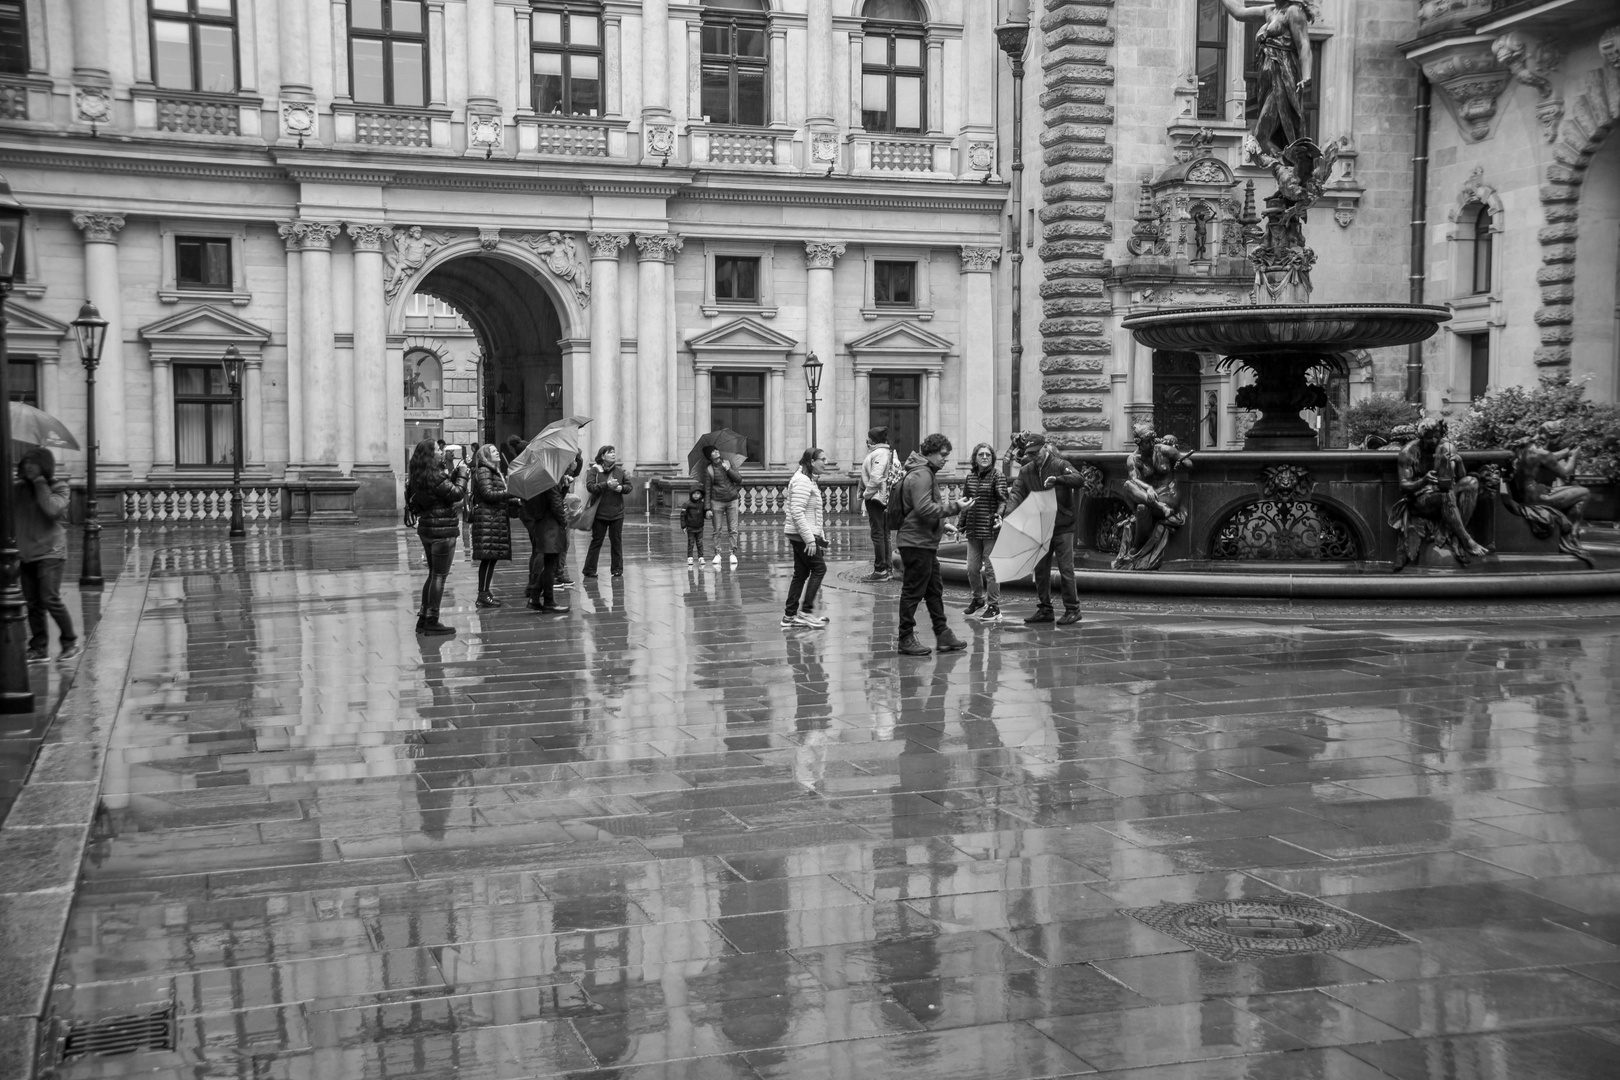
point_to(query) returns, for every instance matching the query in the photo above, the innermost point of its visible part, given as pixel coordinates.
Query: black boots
(910, 646)
(947, 641)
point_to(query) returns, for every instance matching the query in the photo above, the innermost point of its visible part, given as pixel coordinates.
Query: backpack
(896, 510)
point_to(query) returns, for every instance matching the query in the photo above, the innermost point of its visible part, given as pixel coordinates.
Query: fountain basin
(1286, 330)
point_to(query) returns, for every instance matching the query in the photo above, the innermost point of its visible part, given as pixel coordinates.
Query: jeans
(614, 531)
(536, 559)
(1063, 548)
(42, 589)
(727, 523)
(694, 543)
(877, 515)
(440, 554)
(808, 570)
(981, 575)
(924, 582)
(545, 594)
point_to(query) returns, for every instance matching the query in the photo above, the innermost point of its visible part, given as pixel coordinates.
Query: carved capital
(1470, 80)
(99, 228)
(315, 235)
(821, 254)
(657, 247)
(979, 260)
(606, 245)
(367, 236)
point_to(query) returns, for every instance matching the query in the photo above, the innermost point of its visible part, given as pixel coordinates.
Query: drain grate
(120, 1035)
(1256, 929)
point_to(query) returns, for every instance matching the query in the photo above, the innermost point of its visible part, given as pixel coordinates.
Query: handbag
(582, 516)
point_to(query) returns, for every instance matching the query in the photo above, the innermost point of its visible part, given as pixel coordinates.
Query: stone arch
(563, 296)
(1346, 515)
(1475, 190)
(929, 8)
(1589, 120)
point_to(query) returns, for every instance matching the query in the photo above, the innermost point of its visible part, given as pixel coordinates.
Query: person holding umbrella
(722, 492)
(608, 482)
(1045, 469)
(551, 517)
(434, 492)
(40, 503)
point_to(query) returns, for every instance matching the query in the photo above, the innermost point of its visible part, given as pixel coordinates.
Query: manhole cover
(1255, 929)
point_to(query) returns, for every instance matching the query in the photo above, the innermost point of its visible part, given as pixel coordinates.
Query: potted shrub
(1371, 423)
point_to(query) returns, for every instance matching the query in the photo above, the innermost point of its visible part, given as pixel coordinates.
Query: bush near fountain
(1502, 416)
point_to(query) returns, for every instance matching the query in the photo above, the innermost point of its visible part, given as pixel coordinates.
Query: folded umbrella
(1025, 536)
(34, 427)
(733, 448)
(541, 465)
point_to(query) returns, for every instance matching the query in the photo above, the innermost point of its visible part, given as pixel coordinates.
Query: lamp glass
(10, 241)
(91, 330)
(231, 365)
(812, 373)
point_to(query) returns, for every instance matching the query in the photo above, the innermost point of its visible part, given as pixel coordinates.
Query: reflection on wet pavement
(661, 836)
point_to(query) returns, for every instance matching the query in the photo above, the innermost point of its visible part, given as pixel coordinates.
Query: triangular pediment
(901, 337)
(24, 321)
(742, 335)
(204, 324)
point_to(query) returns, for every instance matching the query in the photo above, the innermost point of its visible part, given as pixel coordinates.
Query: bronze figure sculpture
(1155, 502)
(1540, 489)
(1437, 497)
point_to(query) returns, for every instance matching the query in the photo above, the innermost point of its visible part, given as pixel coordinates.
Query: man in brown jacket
(41, 502)
(918, 542)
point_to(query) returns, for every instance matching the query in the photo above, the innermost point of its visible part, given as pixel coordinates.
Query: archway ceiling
(507, 307)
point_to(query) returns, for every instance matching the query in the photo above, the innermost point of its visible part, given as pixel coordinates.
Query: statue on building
(406, 253)
(1541, 492)
(1155, 502)
(1437, 497)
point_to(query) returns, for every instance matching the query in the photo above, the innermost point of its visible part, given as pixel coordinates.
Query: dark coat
(438, 510)
(551, 521)
(610, 506)
(925, 510)
(1065, 481)
(491, 529)
(988, 491)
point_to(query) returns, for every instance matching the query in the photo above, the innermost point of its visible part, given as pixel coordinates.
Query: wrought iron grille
(120, 1035)
(1288, 529)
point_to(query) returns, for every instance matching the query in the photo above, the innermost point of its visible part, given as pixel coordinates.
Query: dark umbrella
(732, 446)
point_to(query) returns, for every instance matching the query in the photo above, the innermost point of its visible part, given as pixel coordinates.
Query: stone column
(320, 381)
(861, 418)
(978, 338)
(162, 414)
(657, 120)
(819, 256)
(652, 346)
(293, 378)
(50, 384)
(293, 51)
(779, 84)
(371, 459)
(90, 23)
(481, 55)
(776, 416)
(253, 412)
(930, 408)
(818, 71)
(104, 289)
(603, 398)
(936, 86)
(437, 95)
(694, 71)
(703, 403)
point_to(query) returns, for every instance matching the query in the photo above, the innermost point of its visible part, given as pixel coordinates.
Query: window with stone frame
(565, 55)
(24, 374)
(1213, 32)
(202, 262)
(1479, 365)
(894, 284)
(894, 71)
(13, 37)
(1313, 96)
(737, 401)
(204, 422)
(896, 404)
(388, 52)
(736, 279)
(194, 45)
(735, 62)
(1483, 244)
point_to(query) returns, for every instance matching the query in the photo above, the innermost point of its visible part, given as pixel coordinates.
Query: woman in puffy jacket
(980, 525)
(491, 530)
(434, 493)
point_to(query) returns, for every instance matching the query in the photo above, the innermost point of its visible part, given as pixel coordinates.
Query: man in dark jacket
(40, 500)
(1045, 469)
(918, 542)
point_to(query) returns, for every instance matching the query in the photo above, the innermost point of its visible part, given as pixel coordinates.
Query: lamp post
(1013, 37)
(231, 364)
(15, 696)
(91, 330)
(812, 380)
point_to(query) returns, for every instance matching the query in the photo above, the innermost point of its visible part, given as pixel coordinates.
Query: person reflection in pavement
(440, 761)
(812, 716)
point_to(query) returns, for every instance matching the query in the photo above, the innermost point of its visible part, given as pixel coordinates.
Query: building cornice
(993, 202)
(124, 163)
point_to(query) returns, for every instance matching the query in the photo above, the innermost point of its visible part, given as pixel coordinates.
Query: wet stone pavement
(663, 837)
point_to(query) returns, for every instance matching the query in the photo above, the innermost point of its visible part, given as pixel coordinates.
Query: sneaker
(733, 558)
(717, 559)
(689, 560)
(590, 573)
(70, 650)
(804, 618)
(562, 584)
(910, 646)
(790, 620)
(947, 641)
(974, 605)
(1041, 615)
(618, 573)
(991, 614)
(555, 609)
(1070, 617)
(36, 656)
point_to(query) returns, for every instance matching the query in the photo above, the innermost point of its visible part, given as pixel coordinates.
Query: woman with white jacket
(804, 532)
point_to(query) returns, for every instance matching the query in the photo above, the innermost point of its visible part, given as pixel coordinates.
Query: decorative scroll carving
(484, 131)
(298, 119)
(981, 156)
(562, 258)
(488, 238)
(368, 236)
(979, 260)
(1609, 47)
(606, 245)
(315, 235)
(658, 247)
(93, 104)
(821, 254)
(1288, 529)
(1470, 80)
(1146, 236)
(1531, 60)
(824, 147)
(661, 140)
(99, 228)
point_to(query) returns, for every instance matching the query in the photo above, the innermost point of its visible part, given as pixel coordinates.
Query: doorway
(1176, 397)
(896, 404)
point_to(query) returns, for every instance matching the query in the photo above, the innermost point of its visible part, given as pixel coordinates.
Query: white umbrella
(1025, 536)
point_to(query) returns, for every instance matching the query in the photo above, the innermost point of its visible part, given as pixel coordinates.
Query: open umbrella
(550, 454)
(1025, 535)
(733, 448)
(34, 427)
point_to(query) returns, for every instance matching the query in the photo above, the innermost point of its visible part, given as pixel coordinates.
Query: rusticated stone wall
(1076, 218)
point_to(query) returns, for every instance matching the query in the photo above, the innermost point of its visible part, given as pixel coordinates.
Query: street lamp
(812, 379)
(15, 696)
(1013, 37)
(91, 330)
(231, 364)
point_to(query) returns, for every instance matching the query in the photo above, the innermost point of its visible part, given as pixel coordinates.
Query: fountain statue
(1156, 504)
(1541, 492)
(1437, 497)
